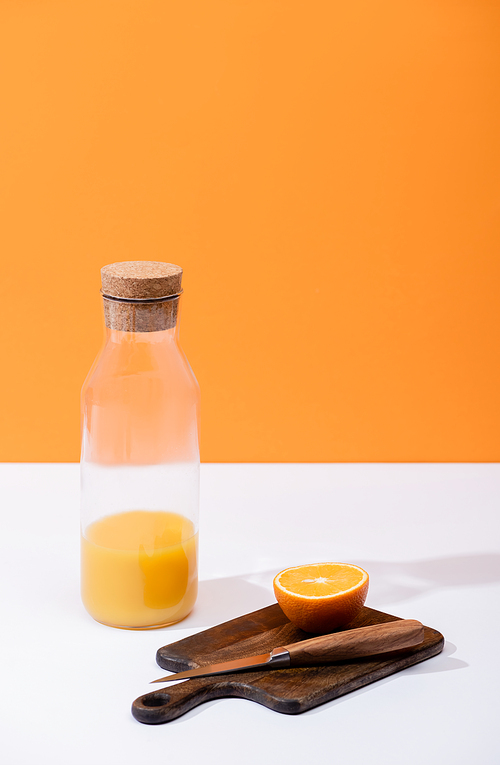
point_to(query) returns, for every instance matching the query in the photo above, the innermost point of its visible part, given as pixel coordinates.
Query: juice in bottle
(139, 567)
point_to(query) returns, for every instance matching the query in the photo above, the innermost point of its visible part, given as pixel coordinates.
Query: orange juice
(139, 568)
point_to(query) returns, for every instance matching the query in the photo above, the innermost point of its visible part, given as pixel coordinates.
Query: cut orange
(321, 597)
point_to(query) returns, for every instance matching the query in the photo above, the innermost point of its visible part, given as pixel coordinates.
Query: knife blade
(339, 646)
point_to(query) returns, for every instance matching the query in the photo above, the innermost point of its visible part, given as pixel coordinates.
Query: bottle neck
(161, 337)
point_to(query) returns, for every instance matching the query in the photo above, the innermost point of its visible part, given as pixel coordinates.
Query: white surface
(427, 534)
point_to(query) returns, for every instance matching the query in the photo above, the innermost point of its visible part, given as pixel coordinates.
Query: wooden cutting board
(289, 691)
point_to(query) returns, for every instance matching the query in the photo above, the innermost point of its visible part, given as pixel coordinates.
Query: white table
(427, 534)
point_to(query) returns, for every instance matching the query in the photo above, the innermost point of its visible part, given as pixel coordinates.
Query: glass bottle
(140, 457)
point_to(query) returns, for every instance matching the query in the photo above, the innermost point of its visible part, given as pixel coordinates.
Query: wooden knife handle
(364, 641)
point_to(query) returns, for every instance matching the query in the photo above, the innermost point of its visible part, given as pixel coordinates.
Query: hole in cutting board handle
(156, 699)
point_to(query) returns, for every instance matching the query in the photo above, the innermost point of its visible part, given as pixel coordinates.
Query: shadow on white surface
(394, 582)
(443, 662)
(220, 600)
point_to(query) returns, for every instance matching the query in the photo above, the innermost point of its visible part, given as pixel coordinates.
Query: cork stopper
(141, 295)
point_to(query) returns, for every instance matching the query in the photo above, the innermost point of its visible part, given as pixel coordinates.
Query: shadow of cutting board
(289, 691)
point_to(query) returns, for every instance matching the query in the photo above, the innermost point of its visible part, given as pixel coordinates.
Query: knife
(339, 646)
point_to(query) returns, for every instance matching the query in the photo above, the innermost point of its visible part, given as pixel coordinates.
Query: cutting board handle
(351, 644)
(166, 705)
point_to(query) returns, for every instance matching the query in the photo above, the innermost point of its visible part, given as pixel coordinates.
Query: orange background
(328, 175)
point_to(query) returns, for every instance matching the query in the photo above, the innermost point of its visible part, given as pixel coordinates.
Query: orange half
(321, 597)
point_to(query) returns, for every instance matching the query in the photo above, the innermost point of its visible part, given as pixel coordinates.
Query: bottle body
(140, 481)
